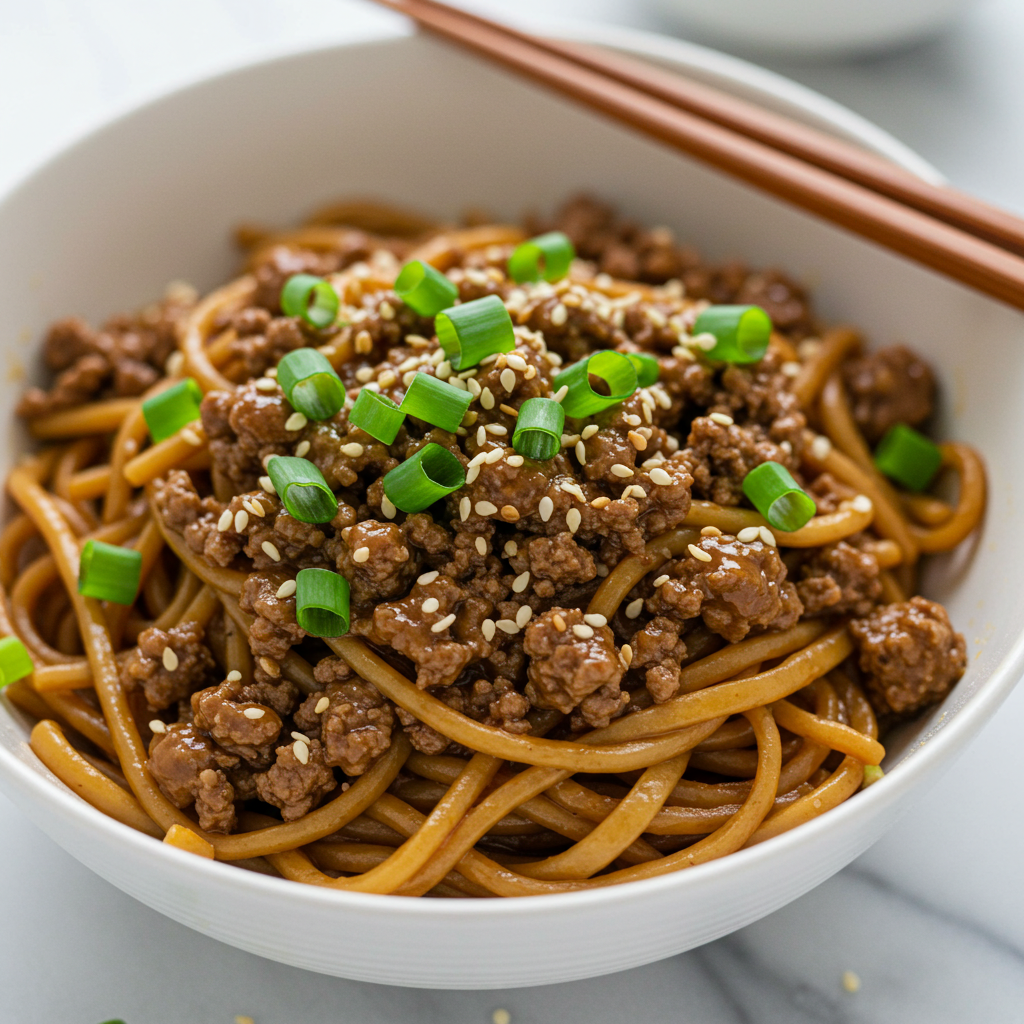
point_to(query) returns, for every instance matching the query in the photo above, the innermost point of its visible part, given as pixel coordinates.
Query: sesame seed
(721, 419)
(531, 372)
(508, 379)
(296, 421)
(457, 383)
(851, 982)
(300, 736)
(266, 384)
(487, 628)
(595, 619)
(353, 449)
(387, 378)
(748, 534)
(660, 477)
(561, 393)
(157, 726)
(545, 508)
(573, 519)
(862, 503)
(521, 582)
(474, 387)
(516, 362)
(481, 545)
(364, 342)
(241, 520)
(387, 506)
(268, 485)
(361, 554)
(634, 608)
(698, 553)
(481, 435)
(626, 655)
(170, 659)
(443, 370)
(301, 449)
(234, 676)
(581, 452)
(661, 580)
(224, 523)
(494, 455)
(322, 705)
(442, 624)
(711, 531)
(602, 570)
(634, 491)
(601, 502)
(583, 632)
(485, 508)
(465, 507)
(175, 364)
(256, 507)
(632, 419)
(589, 431)
(559, 315)
(430, 606)
(270, 667)
(508, 410)
(515, 460)
(559, 622)
(791, 369)
(364, 374)
(286, 589)
(820, 448)
(427, 578)
(510, 513)
(466, 374)
(649, 413)
(507, 626)
(487, 399)
(189, 435)
(301, 752)
(524, 615)
(621, 471)
(511, 549)
(767, 536)
(478, 460)
(496, 429)
(270, 550)
(254, 713)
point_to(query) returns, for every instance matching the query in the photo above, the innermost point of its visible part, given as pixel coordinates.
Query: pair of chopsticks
(953, 233)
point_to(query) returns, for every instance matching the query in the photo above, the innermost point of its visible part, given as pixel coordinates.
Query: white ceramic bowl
(152, 196)
(815, 28)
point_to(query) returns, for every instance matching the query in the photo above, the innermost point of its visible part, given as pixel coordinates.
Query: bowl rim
(946, 741)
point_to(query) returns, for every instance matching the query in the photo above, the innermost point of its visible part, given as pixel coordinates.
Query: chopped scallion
(302, 488)
(377, 415)
(429, 475)
(15, 662)
(166, 413)
(741, 332)
(548, 256)
(473, 330)
(310, 298)
(908, 457)
(322, 602)
(436, 402)
(309, 381)
(646, 366)
(424, 289)
(109, 573)
(538, 433)
(613, 368)
(776, 495)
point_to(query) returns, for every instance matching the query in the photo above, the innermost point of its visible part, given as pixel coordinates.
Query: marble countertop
(931, 920)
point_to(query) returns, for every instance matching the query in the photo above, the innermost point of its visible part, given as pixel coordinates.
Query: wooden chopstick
(952, 251)
(782, 133)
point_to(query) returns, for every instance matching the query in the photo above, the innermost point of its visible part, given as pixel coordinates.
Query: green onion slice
(321, 602)
(615, 369)
(646, 366)
(777, 497)
(166, 413)
(310, 298)
(424, 289)
(741, 332)
(429, 475)
(538, 433)
(377, 415)
(303, 489)
(109, 573)
(908, 457)
(548, 256)
(473, 330)
(436, 401)
(309, 381)
(15, 662)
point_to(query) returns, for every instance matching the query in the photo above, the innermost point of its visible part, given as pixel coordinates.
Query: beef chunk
(658, 648)
(890, 385)
(292, 786)
(168, 677)
(275, 630)
(839, 579)
(220, 711)
(909, 654)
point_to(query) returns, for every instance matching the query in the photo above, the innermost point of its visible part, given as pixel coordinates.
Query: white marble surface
(931, 919)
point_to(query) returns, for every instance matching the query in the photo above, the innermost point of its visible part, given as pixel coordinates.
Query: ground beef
(887, 386)
(909, 654)
(742, 587)
(839, 579)
(275, 630)
(658, 648)
(167, 678)
(293, 787)
(221, 712)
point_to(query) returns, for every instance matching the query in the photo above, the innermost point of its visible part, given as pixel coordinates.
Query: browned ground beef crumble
(641, 466)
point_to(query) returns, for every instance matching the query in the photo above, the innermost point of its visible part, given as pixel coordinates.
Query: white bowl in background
(152, 197)
(815, 28)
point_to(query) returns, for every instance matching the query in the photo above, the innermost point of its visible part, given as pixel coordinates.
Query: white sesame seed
(301, 752)
(270, 550)
(266, 384)
(851, 983)
(254, 713)
(478, 460)
(497, 429)
(444, 370)
(465, 507)
(634, 608)
(485, 508)
(170, 659)
(721, 419)
(516, 362)
(189, 435)
(626, 655)
(791, 369)
(487, 399)
(456, 382)
(353, 449)
(619, 470)
(481, 435)
(573, 519)
(175, 364)
(427, 578)
(387, 506)
(296, 421)
(301, 736)
(661, 580)
(862, 503)
(767, 536)
(474, 387)
(637, 440)
(269, 667)
(561, 393)
(524, 615)
(508, 379)
(322, 705)
(590, 430)
(442, 624)
(386, 310)
(595, 619)
(820, 448)
(660, 477)
(583, 632)
(559, 315)
(301, 449)
(387, 378)
(545, 508)
(515, 460)
(711, 531)
(521, 582)
(507, 626)
(241, 520)
(268, 485)
(487, 628)
(698, 553)
(581, 452)
(511, 549)
(364, 374)
(234, 676)
(602, 570)
(157, 726)
(748, 534)
(472, 474)
(224, 523)
(361, 554)
(286, 589)
(481, 545)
